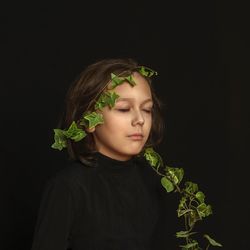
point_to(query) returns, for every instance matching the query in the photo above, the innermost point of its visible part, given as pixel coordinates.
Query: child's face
(127, 126)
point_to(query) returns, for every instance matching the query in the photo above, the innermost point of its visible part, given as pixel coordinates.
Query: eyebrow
(132, 99)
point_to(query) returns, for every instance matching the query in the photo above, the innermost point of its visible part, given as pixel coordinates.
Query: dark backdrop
(201, 51)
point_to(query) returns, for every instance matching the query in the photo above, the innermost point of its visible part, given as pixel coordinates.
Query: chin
(135, 151)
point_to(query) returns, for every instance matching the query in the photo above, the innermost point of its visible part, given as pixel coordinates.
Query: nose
(138, 118)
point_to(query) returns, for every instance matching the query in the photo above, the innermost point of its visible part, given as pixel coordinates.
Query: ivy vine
(192, 207)
(76, 130)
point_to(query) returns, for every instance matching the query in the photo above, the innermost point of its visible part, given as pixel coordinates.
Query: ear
(90, 130)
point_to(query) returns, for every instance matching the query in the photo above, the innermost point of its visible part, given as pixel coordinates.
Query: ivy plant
(91, 119)
(192, 206)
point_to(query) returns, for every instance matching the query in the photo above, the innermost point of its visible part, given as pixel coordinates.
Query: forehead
(140, 91)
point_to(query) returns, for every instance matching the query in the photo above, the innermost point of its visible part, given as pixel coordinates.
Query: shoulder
(148, 172)
(74, 175)
(144, 165)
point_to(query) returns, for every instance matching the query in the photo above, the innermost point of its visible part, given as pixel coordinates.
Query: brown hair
(86, 89)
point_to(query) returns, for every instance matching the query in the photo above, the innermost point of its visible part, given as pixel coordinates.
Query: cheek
(114, 121)
(149, 122)
(112, 125)
(148, 127)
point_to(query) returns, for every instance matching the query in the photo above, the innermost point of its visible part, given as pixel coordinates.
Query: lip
(136, 136)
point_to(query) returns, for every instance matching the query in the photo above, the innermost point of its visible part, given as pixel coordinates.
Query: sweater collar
(110, 163)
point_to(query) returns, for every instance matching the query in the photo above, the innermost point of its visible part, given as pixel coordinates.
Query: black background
(201, 52)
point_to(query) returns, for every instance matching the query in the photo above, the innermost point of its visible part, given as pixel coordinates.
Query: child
(108, 195)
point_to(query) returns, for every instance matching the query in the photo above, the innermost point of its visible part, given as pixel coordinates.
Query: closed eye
(123, 110)
(127, 110)
(147, 110)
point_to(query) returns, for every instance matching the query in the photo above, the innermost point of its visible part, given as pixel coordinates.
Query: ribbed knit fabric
(112, 205)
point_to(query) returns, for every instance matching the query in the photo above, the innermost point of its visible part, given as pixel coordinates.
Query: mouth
(136, 137)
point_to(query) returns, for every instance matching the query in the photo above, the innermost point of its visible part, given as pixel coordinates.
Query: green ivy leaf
(83, 121)
(167, 184)
(201, 209)
(107, 98)
(60, 139)
(204, 210)
(193, 218)
(94, 119)
(183, 207)
(181, 212)
(208, 210)
(74, 132)
(212, 241)
(191, 187)
(61, 136)
(175, 174)
(130, 80)
(200, 196)
(117, 80)
(182, 203)
(153, 157)
(145, 71)
(190, 245)
(112, 97)
(184, 234)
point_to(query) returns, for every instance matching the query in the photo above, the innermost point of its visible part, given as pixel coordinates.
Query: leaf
(117, 80)
(212, 241)
(181, 212)
(112, 97)
(130, 80)
(184, 234)
(60, 139)
(182, 203)
(145, 71)
(175, 174)
(83, 121)
(190, 245)
(183, 207)
(200, 196)
(191, 187)
(99, 104)
(167, 184)
(204, 210)
(94, 119)
(102, 101)
(74, 132)
(107, 98)
(209, 210)
(153, 158)
(193, 218)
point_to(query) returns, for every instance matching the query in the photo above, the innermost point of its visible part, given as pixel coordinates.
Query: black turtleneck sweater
(112, 205)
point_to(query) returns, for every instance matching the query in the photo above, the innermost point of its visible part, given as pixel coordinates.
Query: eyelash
(126, 110)
(123, 110)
